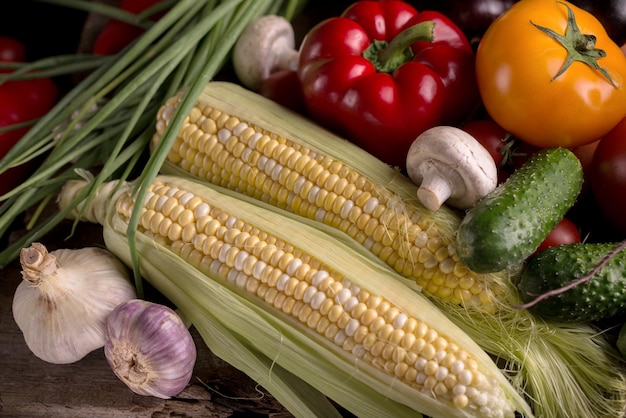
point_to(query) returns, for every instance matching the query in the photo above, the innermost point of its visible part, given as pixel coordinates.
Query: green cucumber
(509, 224)
(601, 297)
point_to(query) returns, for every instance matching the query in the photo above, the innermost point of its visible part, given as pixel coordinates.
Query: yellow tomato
(530, 88)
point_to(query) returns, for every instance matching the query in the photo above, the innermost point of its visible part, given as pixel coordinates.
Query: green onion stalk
(104, 123)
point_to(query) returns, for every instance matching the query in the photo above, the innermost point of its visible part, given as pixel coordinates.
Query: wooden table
(30, 387)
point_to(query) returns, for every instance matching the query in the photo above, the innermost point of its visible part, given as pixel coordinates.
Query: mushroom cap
(450, 165)
(265, 45)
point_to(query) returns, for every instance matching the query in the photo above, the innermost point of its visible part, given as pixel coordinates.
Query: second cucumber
(508, 225)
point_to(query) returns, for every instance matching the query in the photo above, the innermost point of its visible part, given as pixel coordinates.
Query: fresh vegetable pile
(429, 221)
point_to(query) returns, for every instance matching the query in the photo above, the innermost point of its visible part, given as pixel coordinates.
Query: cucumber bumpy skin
(509, 224)
(602, 297)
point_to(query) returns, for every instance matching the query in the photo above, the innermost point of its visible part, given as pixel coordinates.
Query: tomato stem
(579, 46)
(388, 56)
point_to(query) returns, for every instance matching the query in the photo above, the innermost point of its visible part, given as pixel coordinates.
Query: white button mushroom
(450, 166)
(265, 46)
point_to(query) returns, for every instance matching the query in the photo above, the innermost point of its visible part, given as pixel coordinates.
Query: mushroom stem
(285, 57)
(435, 189)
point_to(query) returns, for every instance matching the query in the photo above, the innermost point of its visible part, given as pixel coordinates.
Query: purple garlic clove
(149, 348)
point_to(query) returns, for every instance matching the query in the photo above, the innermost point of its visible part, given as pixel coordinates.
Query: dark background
(46, 29)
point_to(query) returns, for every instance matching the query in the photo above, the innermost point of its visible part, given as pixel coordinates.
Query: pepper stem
(388, 56)
(579, 46)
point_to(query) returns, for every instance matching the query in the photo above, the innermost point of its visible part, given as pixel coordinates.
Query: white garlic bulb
(149, 348)
(62, 303)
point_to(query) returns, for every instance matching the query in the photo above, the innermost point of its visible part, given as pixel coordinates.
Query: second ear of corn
(243, 142)
(319, 295)
(296, 168)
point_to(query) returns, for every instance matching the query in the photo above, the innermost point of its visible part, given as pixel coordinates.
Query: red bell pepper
(382, 73)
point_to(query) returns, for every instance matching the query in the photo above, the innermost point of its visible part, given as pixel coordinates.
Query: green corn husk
(566, 370)
(249, 329)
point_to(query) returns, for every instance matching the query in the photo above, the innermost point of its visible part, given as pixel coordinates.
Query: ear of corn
(305, 301)
(294, 167)
(241, 141)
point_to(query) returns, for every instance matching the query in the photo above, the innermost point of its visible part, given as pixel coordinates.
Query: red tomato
(32, 98)
(283, 87)
(10, 113)
(608, 176)
(519, 153)
(508, 152)
(20, 101)
(11, 50)
(494, 138)
(490, 135)
(565, 232)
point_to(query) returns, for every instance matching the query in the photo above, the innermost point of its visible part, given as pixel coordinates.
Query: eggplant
(476, 15)
(473, 17)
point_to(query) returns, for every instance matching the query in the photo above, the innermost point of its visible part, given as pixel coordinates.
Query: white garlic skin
(61, 310)
(149, 348)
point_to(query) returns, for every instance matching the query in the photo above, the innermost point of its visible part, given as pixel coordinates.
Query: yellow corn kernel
(349, 313)
(293, 176)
